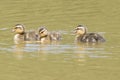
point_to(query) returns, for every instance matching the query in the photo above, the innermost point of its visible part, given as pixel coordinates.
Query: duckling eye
(15, 28)
(78, 29)
(42, 32)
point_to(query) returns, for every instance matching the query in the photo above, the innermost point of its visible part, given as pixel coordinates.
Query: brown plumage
(83, 36)
(22, 35)
(45, 36)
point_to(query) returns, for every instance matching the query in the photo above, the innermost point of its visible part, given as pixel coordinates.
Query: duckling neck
(79, 37)
(41, 37)
(20, 36)
(23, 33)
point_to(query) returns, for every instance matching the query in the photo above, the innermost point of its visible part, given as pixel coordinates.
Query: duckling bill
(83, 36)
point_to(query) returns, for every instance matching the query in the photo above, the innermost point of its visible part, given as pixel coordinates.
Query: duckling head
(43, 31)
(19, 29)
(80, 30)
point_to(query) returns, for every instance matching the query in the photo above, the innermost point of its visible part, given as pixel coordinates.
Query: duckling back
(92, 38)
(31, 36)
(55, 36)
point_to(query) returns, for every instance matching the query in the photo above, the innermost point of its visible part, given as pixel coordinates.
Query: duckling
(21, 35)
(46, 36)
(83, 36)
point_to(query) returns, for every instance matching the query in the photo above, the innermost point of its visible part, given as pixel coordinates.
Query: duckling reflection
(19, 51)
(46, 37)
(21, 35)
(42, 53)
(80, 54)
(83, 36)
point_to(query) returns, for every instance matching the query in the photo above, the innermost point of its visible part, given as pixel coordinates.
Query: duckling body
(83, 36)
(91, 38)
(31, 36)
(45, 36)
(21, 35)
(55, 36)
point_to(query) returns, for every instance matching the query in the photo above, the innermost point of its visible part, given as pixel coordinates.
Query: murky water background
(65, 60)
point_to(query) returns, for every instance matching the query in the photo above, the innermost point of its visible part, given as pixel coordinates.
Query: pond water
(65, 60)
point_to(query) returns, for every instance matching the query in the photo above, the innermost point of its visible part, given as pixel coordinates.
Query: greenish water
(66, 60)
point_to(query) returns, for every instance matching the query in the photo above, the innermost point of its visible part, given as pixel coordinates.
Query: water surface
(65, 60)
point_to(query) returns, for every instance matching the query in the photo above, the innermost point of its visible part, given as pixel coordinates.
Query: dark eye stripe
(41, 31)
(78, 29)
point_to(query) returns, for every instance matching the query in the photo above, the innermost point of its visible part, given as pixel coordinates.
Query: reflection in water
(78, 52)
(19, 51)
(84, 51)
(36, 50)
